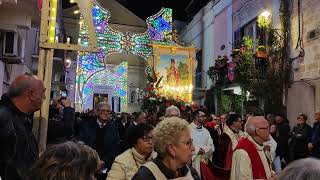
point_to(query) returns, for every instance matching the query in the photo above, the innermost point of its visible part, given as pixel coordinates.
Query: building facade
(220, 26)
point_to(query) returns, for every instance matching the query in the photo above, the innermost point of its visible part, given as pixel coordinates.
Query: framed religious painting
(175, 66)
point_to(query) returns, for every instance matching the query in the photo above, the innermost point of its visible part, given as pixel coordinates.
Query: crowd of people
(101, 144)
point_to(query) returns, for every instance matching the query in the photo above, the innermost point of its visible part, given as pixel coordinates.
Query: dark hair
(66, 161)
(137, 132)
(305, 117)
(137, 114)
(196, 113)
(232, 118)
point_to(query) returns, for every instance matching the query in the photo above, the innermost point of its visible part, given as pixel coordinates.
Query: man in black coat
(282, 137)
(18, 146)
(102, 135)
(314, 145)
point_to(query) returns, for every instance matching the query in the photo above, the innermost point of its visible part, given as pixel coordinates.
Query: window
(252, 30)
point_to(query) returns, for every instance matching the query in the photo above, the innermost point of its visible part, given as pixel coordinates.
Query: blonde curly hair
(168, 132)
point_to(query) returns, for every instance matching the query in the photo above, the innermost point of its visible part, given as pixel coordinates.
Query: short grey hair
(101, 105)
(170, 109)
(308, 168)
(249, 127)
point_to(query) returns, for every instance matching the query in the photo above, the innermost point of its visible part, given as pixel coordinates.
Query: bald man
(249, 160)
(18, 145)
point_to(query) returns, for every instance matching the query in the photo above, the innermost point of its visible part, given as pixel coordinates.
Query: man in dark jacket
(282, 137)
(61, 121)
(18, 149)
(314, 145)
(102, 135)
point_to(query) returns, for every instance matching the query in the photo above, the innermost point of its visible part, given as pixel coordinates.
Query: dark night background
(183, 10)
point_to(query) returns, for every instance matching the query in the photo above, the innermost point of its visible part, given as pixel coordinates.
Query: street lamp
(266, 14)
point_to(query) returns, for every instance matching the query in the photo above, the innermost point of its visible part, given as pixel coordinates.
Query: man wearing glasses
(201, 139)
(249, 160)
(103, 136)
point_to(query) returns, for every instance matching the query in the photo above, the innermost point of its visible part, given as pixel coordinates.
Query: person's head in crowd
(124, 117)
(66, 161)
(173, 142)
(27, 93)
(301, 119)
(141, 117)
(303, 169)
(103, 112)
(140, 137)
(199, 117)
(223, 118)
(279, 118)
(258, 128)
(317, 115)
(172, 111)
(234, 122)
(215, 118)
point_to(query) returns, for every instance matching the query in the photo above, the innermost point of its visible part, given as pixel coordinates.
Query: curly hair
(66, 161)
(168, 132)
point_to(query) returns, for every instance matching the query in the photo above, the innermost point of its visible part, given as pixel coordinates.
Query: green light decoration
(92, 69)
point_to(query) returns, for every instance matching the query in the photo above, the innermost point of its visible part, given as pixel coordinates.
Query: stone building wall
(304, 94)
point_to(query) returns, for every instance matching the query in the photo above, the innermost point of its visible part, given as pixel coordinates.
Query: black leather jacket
(18, 147)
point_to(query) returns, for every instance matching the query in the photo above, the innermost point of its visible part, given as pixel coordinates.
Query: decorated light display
(92, 69)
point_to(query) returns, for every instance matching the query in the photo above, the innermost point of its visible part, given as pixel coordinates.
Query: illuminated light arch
(92, 66)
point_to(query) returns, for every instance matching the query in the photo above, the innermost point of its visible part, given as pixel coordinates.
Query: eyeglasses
(264, 128)
(202, 116)
(105, 110)
(147, 138)
(188, 143)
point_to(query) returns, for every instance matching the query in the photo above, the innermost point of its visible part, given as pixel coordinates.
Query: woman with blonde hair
(174, 146)
(66, 161)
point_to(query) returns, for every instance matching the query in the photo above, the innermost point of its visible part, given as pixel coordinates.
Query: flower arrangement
(221, 61)
(261, 52)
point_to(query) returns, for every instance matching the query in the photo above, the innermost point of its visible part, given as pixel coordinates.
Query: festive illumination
(160, 27)
(52, 22)
(92, 68)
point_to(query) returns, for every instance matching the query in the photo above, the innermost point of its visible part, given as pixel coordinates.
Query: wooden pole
(45, 106)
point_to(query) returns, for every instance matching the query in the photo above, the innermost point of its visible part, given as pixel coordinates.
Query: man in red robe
(249, 160)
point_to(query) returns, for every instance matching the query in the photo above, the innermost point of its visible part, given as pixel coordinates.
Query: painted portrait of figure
(172, 74)
(174, 69)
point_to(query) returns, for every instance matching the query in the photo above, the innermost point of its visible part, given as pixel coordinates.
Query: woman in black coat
(300, 136)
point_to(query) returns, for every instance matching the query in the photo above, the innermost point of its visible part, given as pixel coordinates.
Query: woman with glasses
(300, 136)
(141, 151)
(174, 146)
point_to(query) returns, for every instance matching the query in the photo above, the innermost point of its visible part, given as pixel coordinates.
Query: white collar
(100, 124)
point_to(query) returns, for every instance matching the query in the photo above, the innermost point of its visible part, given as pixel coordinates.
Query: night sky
(146, 8)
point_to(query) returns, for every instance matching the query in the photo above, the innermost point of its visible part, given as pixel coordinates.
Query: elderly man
(102, 135)
(18, 145)
(172, 111)
(249, 160)
(201, 139)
